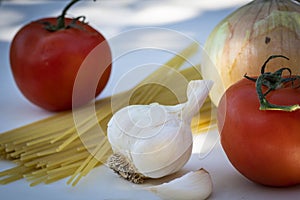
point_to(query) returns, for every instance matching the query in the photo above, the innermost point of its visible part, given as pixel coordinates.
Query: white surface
(194, 19)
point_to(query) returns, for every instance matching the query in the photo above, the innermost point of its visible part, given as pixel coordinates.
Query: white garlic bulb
(195, 185)
(152, 141)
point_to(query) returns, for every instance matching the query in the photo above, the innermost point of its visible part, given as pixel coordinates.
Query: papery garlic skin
(156, 140)
(242, 42)
(196, 185)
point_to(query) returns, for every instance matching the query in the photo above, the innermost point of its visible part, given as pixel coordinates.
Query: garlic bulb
(242, 42)
(195, 185)
(152, 141)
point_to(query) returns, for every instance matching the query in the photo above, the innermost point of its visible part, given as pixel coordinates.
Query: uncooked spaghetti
(52, 149)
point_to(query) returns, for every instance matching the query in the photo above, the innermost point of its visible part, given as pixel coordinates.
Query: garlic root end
(119, 164)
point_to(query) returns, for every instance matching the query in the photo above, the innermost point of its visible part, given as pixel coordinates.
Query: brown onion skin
(243, 41)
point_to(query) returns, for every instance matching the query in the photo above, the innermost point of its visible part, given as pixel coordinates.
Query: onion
(244, 40)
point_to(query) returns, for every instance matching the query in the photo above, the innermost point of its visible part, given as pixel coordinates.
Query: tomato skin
(45, 64)
(264, 146)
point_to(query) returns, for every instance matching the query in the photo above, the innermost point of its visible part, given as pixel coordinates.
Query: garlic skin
(152, 141)
(242, 42)
(195, 185)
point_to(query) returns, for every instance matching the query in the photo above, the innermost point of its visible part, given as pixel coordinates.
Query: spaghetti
(52, 149)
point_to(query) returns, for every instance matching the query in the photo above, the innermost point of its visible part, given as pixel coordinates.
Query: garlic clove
(195, 185)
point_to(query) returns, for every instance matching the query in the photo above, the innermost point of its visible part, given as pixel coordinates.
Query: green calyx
(273, 81)
(60, 25)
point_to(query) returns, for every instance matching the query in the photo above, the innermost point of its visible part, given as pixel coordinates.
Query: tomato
(45, 63)
(263, 145)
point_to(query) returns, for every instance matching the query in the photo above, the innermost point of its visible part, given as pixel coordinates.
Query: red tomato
(45, 64)
(264, 146)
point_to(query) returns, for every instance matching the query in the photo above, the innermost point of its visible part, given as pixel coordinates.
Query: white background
(194, 19)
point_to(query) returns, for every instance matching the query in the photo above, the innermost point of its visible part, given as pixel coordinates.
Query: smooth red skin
(45, 64)
(264, 146)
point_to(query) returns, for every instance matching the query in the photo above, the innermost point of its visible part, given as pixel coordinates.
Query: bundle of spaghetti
(59, 146)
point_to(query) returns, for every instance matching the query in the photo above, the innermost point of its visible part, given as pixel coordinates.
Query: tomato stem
(61, 19)
(273, 81)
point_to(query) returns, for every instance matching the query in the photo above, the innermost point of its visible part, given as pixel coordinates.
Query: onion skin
(242, 42)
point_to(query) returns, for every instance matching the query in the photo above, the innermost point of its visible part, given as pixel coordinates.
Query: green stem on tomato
(264, 104)
(272, 81)
(61, 19)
